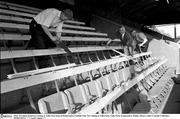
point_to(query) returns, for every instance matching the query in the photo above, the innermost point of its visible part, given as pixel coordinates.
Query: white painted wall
(169, 50)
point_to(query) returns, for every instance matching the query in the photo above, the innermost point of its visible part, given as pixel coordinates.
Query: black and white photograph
(90, 58)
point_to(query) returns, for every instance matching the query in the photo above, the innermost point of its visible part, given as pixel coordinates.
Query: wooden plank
(31, 53)
(83, 32)
(78, 27)
(15, 18)
(21, 26)
(19, 83)
(26, 27)
(14, 37)
(18, 9)
(94, 39)
(10, 48)
(35, 72)
(16, 13)
(25, 20)
(100, 104)
(3, 6)
(10, 12)
(20, 6)
(13, 25)
(75, 22)
(64, 38)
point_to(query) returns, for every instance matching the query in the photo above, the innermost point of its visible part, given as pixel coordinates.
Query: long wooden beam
(26, 27)
(19, 37)
(31, 53)
(19, 6)
(142, 54)
(4, 36)
(94, 39)
(78, 27)
(15, 18)
(35, 72)
(21, 26)
(83, 32)
(18, 9)
(10, 12)
(109, 98)
(26, 20)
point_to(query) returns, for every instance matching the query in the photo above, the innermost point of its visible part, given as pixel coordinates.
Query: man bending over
(41, 38)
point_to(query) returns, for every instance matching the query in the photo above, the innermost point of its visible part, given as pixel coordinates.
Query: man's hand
(140, 44)
(57, 40)
(54, 38)
(108, 42)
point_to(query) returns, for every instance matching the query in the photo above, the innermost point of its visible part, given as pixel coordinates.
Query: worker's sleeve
(59, 27)
(142, 36)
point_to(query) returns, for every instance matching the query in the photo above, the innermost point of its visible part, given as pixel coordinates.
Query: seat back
(105, 83)
(76, 95)
(91, 90)
(124, 74)
(127, 72)
(103, 87)
(55, 103)
(114, 79)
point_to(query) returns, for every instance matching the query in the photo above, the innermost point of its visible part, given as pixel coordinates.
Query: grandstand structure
(100, 84)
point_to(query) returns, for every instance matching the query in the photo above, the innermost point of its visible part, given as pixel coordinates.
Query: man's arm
(109, 42)
(57, 40)
(112, 40)
(144, 41)
(46, 30)
(142, 36)
(60, 43)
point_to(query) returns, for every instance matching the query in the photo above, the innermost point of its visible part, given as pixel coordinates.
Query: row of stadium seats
(155, 89)
(79, 97)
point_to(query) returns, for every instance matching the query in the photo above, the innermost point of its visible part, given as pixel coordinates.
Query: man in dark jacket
(125, 39)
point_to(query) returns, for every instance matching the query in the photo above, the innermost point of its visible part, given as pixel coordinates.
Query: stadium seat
(77, 98)
(56, 103)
